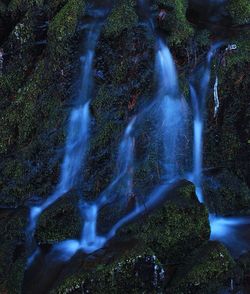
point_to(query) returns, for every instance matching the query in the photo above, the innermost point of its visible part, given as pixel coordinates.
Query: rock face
(39, 45)
(182, 225)
(164, 237)
(203, 270)
(227, 194)
(59, 222)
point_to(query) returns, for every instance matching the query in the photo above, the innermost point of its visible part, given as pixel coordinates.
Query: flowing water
(90, 241)
(172, 129)
(199, 83)
(77, 135)
(174, 112)
(228, 230)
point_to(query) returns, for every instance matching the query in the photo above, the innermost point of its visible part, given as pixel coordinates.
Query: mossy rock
(12, 267)
(123, 16)
(132, 256)
(226, 194)
(175, 23)
(240, 10)
(204, 271)
(228, 133)
(63, 25)
(60, 221)
(12, 249)
(62, 29)
(173, 230)
(133, 270)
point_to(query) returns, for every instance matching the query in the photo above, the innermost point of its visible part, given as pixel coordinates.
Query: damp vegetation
(124, 146)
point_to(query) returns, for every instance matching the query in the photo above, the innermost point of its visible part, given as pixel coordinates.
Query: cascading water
(174, 111)
(90, 241)
(76, 146)
(199, 82)
(77, 135)
(172, 121)
(223, 229)
(229, 230)
(124, 168)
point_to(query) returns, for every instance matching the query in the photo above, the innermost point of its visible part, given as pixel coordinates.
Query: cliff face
(39, 65)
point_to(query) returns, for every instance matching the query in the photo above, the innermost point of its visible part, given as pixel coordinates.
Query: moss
(55, 6)
(239, 56)
(104, 99)
(19, 49)
(182, 224)
(12, 267)
(240, 10)
(121, 72)
(229, 132)
(23, 34)
(123, 16)
(51, 225)
(12, 259)
(19, 123)
(172, 231)
(20, 129)
(226, 194)
(203, 271)
(176, 22)
(136, 270)
(10, 84)
(104, 138)
(63, 27)
(14, 281)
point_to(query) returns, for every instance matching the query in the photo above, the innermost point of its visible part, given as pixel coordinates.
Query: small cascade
(124, 169)
(166, 71)
(173, 109)
(172, 117)
(224, 229)
(90, 241)
(230, 231)
(199, 82)
(77, 136)
(75, 150)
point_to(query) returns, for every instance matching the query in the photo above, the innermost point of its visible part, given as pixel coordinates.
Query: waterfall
(227, 230)
(90, 241)
(172, 114)
(76, 145)
(77, 135)
(224, 229)
(199, 82)
(124, 169)
(173, 109)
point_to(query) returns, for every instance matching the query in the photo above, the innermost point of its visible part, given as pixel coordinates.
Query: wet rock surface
(40, 43)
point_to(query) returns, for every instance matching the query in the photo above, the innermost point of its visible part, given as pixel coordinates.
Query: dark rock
(60, 221)
(204, 271)
(182, 225)
(227, 195)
